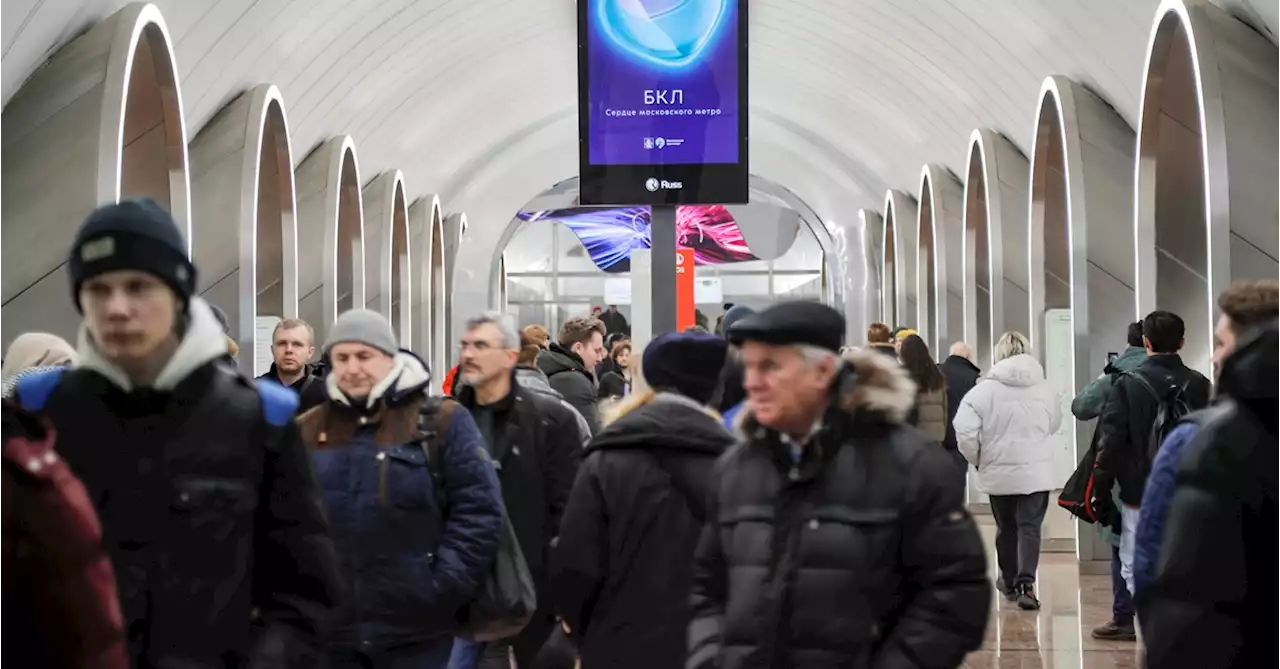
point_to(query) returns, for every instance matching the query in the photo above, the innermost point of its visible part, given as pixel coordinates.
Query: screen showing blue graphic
(663, 82)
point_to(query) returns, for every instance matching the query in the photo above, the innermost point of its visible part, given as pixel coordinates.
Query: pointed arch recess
(1081, 172)
(453, 229)
(244, 156)
(995, 242)
(101, 121)
(870, 296)
(425, 227)
(938, 236)
(1205, 199)
(1080, 252)
(388, 259)
(329, 198)
(898, 260)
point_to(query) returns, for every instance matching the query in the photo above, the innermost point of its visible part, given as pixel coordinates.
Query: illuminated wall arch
(1081, 173)
(453, 229)
(243, 158)
(331, 228)
(995, 242)
(426, 227)
(100, 121)
(1205, 201)
(898, 260)
(1081, 244)
(939, 284)
(502, 289)
(872, 290)
(388, 259)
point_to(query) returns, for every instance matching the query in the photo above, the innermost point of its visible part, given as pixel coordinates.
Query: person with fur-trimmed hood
(836, 535)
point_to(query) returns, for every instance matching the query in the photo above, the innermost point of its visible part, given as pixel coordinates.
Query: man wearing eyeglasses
(534, 440)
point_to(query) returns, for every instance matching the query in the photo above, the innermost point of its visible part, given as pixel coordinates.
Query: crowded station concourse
(786, 334)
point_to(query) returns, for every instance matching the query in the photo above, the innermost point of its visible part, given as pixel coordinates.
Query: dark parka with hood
(1216, 576)
(570, 377)
(208, 512)
(859, 555)
(624, 564)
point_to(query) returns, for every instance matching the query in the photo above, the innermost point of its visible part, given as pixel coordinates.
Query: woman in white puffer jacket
(1005, 428)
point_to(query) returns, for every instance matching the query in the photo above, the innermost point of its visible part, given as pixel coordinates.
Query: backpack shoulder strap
(1142, 379)
(34, 390)
(434, 418)
(279, 404)
(306, 384)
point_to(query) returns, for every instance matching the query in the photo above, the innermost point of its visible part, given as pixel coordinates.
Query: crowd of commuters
(760, 496)
(1186, 510)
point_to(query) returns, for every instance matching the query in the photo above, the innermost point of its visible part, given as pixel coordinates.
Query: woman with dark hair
(930, 410)
(616, 382)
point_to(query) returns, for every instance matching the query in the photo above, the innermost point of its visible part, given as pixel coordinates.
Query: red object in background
(450, 378)
(57, 575)
(685, 305)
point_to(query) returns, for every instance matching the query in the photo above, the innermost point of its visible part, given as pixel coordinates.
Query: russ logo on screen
(673, 33)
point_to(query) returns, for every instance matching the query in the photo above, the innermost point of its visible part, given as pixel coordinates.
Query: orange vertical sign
(685, 306)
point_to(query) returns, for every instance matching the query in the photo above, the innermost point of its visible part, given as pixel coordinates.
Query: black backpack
(1171, 407)
(504, 603)
(1077, 494)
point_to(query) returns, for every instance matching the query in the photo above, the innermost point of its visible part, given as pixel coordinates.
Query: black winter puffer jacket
(859, 555)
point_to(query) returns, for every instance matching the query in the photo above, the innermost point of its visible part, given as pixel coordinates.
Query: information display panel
(662, 102)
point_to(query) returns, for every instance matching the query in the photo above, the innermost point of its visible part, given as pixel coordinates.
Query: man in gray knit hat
(357, 337)
(369, 443)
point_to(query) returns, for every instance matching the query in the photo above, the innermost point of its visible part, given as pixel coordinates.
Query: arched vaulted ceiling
(475, 99)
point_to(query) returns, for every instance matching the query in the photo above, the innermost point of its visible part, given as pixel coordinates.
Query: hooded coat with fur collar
(858, 554)
(208, 513)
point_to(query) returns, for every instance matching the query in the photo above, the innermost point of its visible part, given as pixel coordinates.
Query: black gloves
(1104, 509)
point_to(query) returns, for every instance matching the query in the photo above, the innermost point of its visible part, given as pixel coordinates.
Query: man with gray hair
(837, 535)
(535, 441)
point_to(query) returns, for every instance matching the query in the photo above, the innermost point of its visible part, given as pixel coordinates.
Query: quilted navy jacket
(408, 567)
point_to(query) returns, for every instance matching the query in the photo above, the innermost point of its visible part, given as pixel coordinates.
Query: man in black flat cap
(842, 530)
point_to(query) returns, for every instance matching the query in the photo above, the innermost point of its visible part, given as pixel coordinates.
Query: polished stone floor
(1058, 635)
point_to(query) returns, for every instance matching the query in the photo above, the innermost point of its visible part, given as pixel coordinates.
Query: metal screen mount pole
(662, 230)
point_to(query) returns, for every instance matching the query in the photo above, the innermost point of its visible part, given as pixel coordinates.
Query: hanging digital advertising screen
(662, 102)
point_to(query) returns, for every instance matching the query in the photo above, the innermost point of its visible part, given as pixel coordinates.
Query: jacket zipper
(382, 478)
